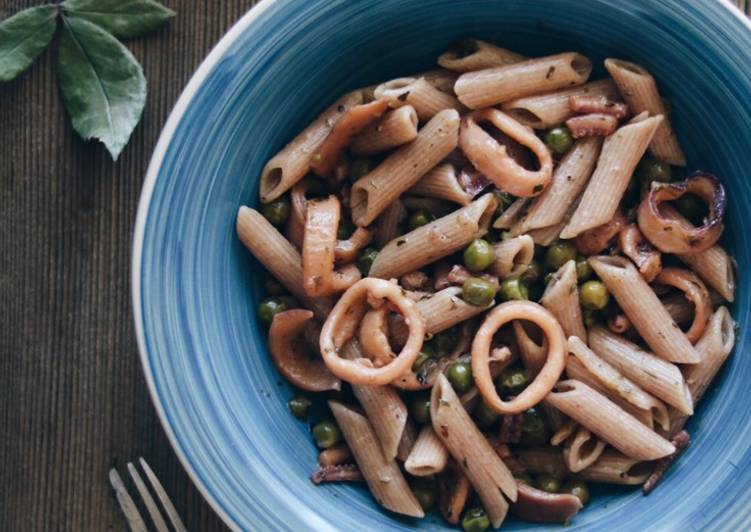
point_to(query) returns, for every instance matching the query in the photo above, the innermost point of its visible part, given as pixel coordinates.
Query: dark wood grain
(73, 400)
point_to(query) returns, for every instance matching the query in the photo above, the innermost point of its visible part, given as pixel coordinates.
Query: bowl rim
(144, 203)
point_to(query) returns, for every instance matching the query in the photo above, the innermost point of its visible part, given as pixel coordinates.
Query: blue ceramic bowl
(195, 287)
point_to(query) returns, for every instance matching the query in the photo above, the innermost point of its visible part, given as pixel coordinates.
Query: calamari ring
(695, 291)
(636, 248)
(491, 158)
(671, 234)
(332, 340)
(548, 375)
(292, 359)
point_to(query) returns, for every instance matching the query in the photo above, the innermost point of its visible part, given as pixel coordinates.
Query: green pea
(532, 273)
(299, 407)
(360, 167)
(512, 288)
(594, 295)
(460, 376)
(421, 359)
(277, 211)
(445, 342)
(420, 218)
(419, 409)
(485, 416)
(534, 428)
(478, 292)
(326, 434)
(583, 269)
(270, 307)
(590, 317)
(504, 201)
(478, 255)
(515, 379)
(548, 483)
(559, 253)
(425, 492)
(475, 520)
(365, 260)
(345, 229)
(578, 489)
(524, 477)
(650, 169)
(559, 140)
(692, 208)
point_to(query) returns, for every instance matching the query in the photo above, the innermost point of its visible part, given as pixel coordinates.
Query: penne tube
(384, 478)
(389, 222)
(715, 267)
(620, 154)
(533, 355)
(512, 214)
(441, 78)
(435, 240)
(569, 179)
(566, 429)
(608, 421)
(513, 256)
(643, 308)
(442, 182)
(534, 76)
(468, 55)
(292, 163)
(653, 374)
(393, 129)
(428, 456)
(487, 473)
(543, 460)
(561, 298)
(582, 450)
(278, 256)
(409, 437)
(544, 111)
(714, 347)
(545, 236)
(376, 190)
(613, 467)
(639, 90)
(426, 100)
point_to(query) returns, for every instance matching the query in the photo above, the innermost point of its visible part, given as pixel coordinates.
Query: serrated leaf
(124, 19)
(102, 84)
(23, 37)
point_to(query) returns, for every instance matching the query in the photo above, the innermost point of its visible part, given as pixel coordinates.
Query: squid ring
(492, 158)
(671, 234)
(331, 342)
(695, 291)
(548, 375)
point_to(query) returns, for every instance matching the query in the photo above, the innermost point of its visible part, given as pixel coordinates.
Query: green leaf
(103, 86)
(124, 19)
(23, 37)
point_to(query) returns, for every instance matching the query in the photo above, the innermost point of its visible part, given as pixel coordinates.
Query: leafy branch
(102, 83)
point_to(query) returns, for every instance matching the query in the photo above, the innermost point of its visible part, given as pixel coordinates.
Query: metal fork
(129, 508)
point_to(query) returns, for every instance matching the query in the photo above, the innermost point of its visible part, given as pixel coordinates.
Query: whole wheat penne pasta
(513, 256)
(534, 76)
(639, 90)
(533, 355)
(643, 308)
(384, 478)
(374, 191)
(544, 236)
(567, 428)
(442, 182)
(512, 214)
(417, 92)
(613, 467)
(544, 111)
(409, 437)
(441, 78)
(582, 450)
(561, 298)
(292, 163)
(393, 129)
(653, 374)
(388, 223)
(608, 421)
(543, 460)
(569, 179)
(575, 369)
(435, 240)
(428, 456)
(468, 55)
(715, 267)
(714, 347)
(278, 256)
(487, 473)
(620, 154)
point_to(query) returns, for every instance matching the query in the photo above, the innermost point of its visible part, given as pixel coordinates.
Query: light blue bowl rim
(144, 203)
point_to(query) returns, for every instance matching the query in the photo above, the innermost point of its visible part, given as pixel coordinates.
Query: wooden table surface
(73, 400)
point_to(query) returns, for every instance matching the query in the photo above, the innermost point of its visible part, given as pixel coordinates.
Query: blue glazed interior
(222, 398)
